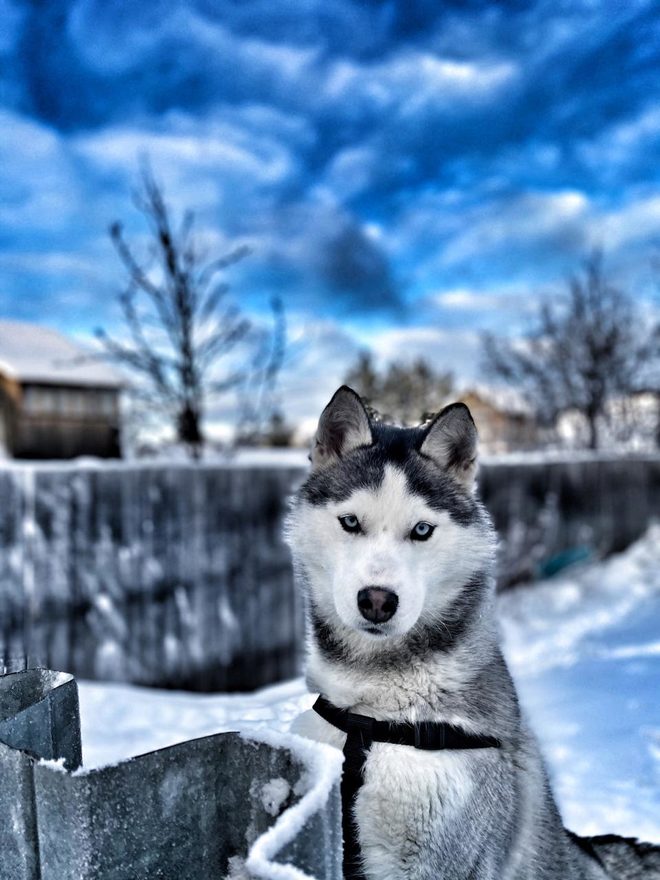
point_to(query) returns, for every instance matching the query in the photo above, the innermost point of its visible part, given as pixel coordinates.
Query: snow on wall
(318, 785)
(176, 575)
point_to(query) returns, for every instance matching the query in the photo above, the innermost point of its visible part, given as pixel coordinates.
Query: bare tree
(258, 405)
(586, 349)
(405, 393)
(178, 318)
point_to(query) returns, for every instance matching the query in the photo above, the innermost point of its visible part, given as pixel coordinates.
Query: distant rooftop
(505, 399)
(32, 353)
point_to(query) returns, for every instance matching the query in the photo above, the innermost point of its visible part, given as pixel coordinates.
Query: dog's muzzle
(377, 604)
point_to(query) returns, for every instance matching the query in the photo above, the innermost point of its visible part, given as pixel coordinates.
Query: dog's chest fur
(413, 807)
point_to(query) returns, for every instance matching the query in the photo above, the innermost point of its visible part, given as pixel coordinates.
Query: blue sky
(407, 173)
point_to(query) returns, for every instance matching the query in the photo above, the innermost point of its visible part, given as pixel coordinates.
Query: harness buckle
(429, 736)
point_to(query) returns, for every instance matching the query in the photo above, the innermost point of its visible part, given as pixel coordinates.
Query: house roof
(505, 399)
(33, 353)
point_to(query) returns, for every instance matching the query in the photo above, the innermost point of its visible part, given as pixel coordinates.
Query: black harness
(361, 731)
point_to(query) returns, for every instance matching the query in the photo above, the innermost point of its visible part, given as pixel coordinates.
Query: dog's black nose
(377, 604)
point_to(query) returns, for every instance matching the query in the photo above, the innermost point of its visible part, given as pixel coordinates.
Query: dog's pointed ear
(451, 441)
(343, 426)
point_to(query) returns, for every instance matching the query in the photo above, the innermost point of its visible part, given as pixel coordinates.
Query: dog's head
(386, 534)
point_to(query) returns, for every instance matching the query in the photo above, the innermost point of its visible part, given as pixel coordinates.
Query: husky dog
(396, 557)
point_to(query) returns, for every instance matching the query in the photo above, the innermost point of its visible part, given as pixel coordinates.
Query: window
(40, 401)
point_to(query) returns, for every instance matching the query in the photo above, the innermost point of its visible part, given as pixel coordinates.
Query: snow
(273, 795)
(263, 457)
(560, 455)
(32, 353)
(584, 649)
(56, 764)
(119, 721)
(323, 769)
(176, 460)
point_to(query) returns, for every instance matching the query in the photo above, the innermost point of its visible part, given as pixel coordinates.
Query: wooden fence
(177, 576)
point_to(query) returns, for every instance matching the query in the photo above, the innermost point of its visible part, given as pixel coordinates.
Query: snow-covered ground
(584, 649)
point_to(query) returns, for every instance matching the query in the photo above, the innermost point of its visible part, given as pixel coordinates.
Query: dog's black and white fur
(395, 555)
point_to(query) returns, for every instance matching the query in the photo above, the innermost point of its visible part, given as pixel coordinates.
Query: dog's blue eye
(422, 531)
(350, 523)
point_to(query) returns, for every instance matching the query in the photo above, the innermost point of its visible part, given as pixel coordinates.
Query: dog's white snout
(381, 570)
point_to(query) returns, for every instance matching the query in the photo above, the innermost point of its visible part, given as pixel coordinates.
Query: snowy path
(584, 650)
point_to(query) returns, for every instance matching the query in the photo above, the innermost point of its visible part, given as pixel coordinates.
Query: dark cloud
(355, 267)
(322, 259)
(434, 93)
(128, 57)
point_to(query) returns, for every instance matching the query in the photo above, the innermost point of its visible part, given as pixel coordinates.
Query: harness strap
(361, 731)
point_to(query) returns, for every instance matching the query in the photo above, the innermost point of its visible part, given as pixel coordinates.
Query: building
(628, 423)
(55, 400)
(504, 421)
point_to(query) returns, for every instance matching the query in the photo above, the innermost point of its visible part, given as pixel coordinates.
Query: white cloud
(624, 143)
(350, 172)
(321, 353)
(463, 299)
(457, 351)
(213, 146)
(636, 222)
(39, 183)
(532, 216)
(66, 263)
(412, 78)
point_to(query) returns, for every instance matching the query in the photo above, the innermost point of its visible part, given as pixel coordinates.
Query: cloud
(631, 224)
(321, 257)
(390, 164)
(552, 218)
(625, 151)
(454, 351)
(39, 183)
(352, 263)
(319, 355)
(463, 299)
(412, 81)
(232, 167)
